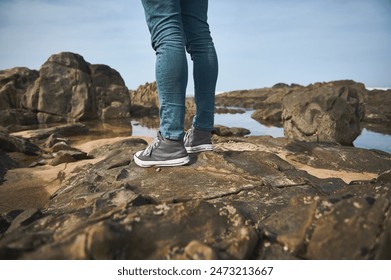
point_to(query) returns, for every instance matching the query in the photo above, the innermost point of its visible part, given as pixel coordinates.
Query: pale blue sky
(259, 42)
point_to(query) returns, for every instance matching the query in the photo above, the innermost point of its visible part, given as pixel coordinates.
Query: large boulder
(111, 94)
(13, 84)
(69, 88)
(325, 112)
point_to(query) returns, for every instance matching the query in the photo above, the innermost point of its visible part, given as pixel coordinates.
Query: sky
(259, 42)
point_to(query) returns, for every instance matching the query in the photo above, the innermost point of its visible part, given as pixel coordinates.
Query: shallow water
(367, 139)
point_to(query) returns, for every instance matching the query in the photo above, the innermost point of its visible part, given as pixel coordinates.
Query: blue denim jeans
(177, 26)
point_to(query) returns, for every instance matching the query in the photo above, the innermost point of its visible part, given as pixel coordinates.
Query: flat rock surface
(251, 198)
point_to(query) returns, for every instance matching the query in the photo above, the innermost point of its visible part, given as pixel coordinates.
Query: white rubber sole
(199, 148)
(150, 163)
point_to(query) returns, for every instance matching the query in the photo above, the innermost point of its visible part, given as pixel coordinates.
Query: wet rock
(325, 112)
(221, 130)
(222, 110)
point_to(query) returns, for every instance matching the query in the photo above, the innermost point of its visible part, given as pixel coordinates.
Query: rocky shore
(304, 196)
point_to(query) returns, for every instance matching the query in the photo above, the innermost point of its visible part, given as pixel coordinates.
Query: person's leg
(164, 21)
(165, 24)
(200, 45)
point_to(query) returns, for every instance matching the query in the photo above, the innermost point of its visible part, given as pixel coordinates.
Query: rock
(115, 110)
(62, 88)
(49, 118)
(69, 88)
(221, 130)
(197, 250)
(110, 91)
(13, 85)
(23, 218)
(252, 99)
(252, 198)
(11, 118)
(270, 116)
(55, 138)
(349, 213)
(62, 146)
(145, 100)
(289, 226)
(6, 163)
(222, 110)
(325, 112)
(378, 111)
(66, 156)
(64, 130)
(10, 143)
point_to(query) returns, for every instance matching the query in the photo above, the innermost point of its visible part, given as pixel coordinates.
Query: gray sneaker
(198, 140)
(162, 152)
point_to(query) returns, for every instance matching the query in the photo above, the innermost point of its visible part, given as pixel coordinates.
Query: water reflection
(148, 126)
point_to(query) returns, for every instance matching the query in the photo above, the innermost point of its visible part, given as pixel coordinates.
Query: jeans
(177, 26)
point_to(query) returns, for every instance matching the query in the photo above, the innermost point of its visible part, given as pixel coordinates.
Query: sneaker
(162, 152)
(198, 140)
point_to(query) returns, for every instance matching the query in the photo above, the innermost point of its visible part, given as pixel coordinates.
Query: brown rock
(325, 112)
(69, 88)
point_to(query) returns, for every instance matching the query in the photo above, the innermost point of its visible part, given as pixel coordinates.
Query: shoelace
(187, 135)
(152, 146)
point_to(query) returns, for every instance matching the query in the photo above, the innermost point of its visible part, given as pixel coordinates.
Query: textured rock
(65, 156)
(11, 118)
(145, 102)
(10, 143)
(269, 116)
(255, 98)
(13, 85)
(63, 130)
(222, 130)
(69, 88)
(325, 112)
(252, 198)
(6, 163)
(378, 111)
(115, 110)
(145, 99)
